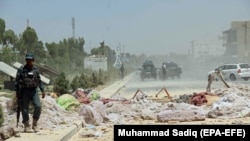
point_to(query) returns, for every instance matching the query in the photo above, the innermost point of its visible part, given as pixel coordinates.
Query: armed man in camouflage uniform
(27, 81)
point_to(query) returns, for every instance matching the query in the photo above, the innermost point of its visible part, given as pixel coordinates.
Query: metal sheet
(8, 69)
(17, 65)
(11, 71)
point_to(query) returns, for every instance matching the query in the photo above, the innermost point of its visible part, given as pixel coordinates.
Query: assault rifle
(19, 104)
(18, 98)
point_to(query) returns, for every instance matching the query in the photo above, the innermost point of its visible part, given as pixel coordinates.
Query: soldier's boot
(34, 126)
(27, 128)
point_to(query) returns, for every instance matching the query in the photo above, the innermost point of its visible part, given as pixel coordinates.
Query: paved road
(184, 85)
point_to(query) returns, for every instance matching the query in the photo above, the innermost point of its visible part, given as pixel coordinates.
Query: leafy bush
(75, 83)
(61, 85)
(86, 81)
(83, 81)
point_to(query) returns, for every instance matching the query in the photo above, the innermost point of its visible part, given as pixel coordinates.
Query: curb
(123, 85)
(70, 132)
(115, 87)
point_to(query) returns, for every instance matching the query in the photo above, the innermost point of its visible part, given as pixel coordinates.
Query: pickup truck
(148, 70)
(169, 69)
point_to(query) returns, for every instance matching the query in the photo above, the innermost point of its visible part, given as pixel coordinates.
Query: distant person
(27, 81)
(164, 71)
(122, 71)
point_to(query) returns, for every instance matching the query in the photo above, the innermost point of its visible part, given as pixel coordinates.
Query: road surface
(175, 87)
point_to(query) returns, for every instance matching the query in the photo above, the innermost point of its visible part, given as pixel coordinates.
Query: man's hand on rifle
(43, 94)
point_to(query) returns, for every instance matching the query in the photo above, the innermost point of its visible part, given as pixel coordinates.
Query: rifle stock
(18, 98)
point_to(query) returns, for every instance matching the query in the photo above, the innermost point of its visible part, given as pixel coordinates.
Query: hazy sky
(138, 26)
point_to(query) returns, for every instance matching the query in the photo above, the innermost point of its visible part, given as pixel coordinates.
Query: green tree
(9, 36)
(52, 48)
(83, 81)
(61, 84)
(75, 83)
(94, 81)
(30, 36)
(6, 55)
(69, 51)
(39, 51)
(30, 43)
(101, 78)
(2, 30)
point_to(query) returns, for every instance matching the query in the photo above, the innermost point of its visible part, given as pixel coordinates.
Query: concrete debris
(180, 115)
(93, 113)
(87, 134)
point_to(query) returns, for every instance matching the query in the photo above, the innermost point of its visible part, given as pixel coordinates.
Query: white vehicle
(234, 71)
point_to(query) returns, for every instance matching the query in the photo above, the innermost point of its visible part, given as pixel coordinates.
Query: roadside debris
(215, 75)
(166, 91)
(141, 96)
(68, 102)
(199, 99)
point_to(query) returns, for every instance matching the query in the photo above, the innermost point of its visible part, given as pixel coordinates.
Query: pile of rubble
(233, 102)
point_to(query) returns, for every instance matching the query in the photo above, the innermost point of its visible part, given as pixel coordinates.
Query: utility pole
(28, 23)
(73, 28)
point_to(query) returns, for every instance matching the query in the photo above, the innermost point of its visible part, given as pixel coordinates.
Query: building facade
(96, 63)
(207, 48)
(237, 41)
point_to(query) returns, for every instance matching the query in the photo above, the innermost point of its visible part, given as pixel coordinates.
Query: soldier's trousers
(28, 96)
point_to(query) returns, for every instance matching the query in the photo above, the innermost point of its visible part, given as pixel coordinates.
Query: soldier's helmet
(29, 56)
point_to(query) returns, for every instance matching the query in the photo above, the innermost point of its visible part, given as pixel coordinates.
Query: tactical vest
(29, 78)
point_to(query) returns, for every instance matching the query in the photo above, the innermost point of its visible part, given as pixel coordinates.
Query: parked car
(234, 71)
